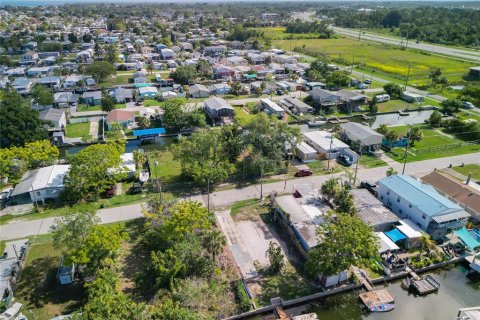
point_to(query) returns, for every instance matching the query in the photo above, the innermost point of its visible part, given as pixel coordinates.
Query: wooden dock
(363, 278)
(425, 285)
(376, 297)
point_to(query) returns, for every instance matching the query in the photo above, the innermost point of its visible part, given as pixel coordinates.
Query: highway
(459, 53)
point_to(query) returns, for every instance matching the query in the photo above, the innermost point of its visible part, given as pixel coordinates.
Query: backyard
(83, 107)
(242, 116)
(169, 171)
(370, 161)
(78, 130)
(434, 144)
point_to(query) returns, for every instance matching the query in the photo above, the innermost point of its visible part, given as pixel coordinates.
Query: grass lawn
(379, 57)
(431, 138)
(474, 169)
(394, 105)
(243, 205)
(83, 107)
(464, 115)
(76, 130)
(151, 102)
(370, 161)
(114, 134)
(242, 117)
(279, 33)
(168, 169)
(38, 289)
(320, 167)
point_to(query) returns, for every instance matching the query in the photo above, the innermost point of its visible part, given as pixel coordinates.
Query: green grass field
(379, 57)
(242, 117)
(76, 130)
(425, 149)
(168, 169)
(279, 33)
(474, 169)
(370, 161)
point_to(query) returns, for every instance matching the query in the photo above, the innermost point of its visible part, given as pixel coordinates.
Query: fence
(447, 146)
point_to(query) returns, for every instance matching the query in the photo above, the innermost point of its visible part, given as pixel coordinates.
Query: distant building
(55, 117)
(361, 137)
(412, 97)
(421, 203)
(123, 117)
(327, 146)
(296, 106)
(29, 58)
(199, 91)
(92, 98)
(217, 109)
(269, 16)
(271, 108)
(372, 211)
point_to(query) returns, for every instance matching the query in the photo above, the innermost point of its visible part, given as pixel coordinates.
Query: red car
(303, 173)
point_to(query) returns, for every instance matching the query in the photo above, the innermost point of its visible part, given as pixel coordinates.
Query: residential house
(412, 97)
(167, 54)
(221, 88)
(422, 204)
(269, 16)
(300, 217)
(186, 46)
(465, 194)
(218, 109)
(360, 137)
(139, 77)
(55, 117)
(42, 184)
(85, 56)
(38, 71)
(199, 91)
(296, 106)
(236, 61)
(285, 59)
(29, 58)
(221, 71)
(72, 80)
(305, 152)
(51, 82)
(148, 92)
(16, 72)
(65, 99)
(92, 98)
(22, 85)
(214, 50)
(327, 146)
(372, 211)
(271, 108)
(351, 100)
(256, 58)
(474, 72)
(122, 95)
(127, 167)
(325, 98)
(123, 117)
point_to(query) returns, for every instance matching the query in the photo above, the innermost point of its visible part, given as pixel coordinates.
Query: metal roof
(47, 177)
(422, 196)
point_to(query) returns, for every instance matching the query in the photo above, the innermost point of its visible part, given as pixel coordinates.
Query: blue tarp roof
(146, 132)
(139, 85)
(468, 238)
(395, 235)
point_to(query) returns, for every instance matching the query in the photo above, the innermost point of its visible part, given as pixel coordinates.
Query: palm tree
(150, 68)
(139, 158)
(144, 122)
(215, 241)
(425, 242)
(330, 188)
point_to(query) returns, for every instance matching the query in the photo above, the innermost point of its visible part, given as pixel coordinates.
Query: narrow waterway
(457, 291)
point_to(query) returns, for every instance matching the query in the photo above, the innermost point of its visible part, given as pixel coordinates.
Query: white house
(325, 144)
(43, 183)
(271, 108)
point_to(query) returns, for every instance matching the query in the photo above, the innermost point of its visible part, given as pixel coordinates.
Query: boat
(316, 123)
(365, 117)
(382, 308)
(402, 113)
(144, 176)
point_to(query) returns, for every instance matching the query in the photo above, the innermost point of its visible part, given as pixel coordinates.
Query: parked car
(303, 173)
(467, 105)
(370, 186)
(5, 194)
(136, 188)
(345, 160)
(112, 191)
(367, 81)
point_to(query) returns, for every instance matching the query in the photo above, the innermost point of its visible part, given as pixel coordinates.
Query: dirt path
(94, 130)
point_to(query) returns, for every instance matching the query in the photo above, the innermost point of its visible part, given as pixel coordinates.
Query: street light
(159, 187)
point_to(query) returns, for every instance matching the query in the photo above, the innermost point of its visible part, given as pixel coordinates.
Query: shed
(65, 274)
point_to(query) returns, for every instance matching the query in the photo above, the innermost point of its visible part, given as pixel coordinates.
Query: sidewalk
(221, 199)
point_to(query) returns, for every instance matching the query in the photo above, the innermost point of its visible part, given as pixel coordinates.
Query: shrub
(242, 296)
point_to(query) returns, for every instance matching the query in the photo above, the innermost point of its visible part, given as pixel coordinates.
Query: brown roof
(120, 116)
(460, 192)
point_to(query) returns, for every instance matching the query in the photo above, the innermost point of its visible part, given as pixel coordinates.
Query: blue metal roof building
(421, 203)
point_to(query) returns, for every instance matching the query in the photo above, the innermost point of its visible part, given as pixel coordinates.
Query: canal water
(458, 290)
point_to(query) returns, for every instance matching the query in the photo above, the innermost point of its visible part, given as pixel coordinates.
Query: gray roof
(297, 103)
(371, 210)
(46, 177)
(198, 87)
(49, 79)
(357, 131)
(21, 82)
(65, 97)
(52, 114)
(92, 94)
(122, 93)
(217, 103)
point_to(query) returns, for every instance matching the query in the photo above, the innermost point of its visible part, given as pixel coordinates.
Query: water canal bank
(458, 289)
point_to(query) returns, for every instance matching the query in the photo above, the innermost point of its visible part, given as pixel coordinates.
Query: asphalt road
(219, 199)
(459, 53)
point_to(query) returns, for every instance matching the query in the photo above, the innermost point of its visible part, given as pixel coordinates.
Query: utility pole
(208, 194)
(406, 45)
(261, 181)
(329, 150)
(353, 62)
(408, 76)
(356, 165)
(359, 34)
(159, 187)
(406, 151)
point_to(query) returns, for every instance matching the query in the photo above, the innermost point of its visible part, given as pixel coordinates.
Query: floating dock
(372, 298)
(423, 285)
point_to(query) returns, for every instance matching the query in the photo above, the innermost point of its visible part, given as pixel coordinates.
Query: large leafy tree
(184, 74)
(42, 95)
(450, 106)
(338, 79)
(108, 103)
(204, 156)
(165, 267)
(100, 70)
(19, 124)
(330, 188)
(392, 89)
(89, 174)
(177, 117)
(415, 135)
(214, 241)
(343, 240)
(275, 256)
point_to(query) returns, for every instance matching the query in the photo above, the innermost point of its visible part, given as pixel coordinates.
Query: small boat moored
(382, 308)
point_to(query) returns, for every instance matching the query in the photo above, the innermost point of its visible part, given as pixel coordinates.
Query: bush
(242, 296)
